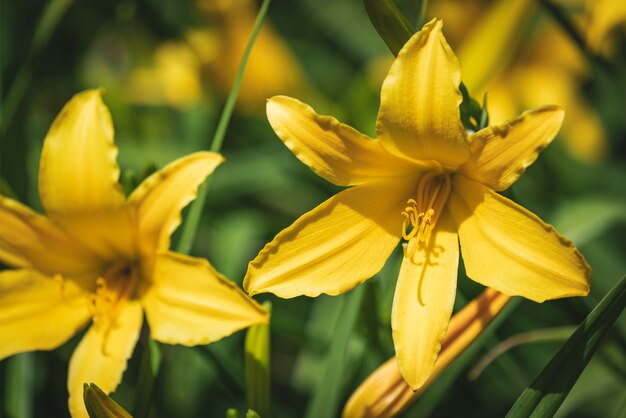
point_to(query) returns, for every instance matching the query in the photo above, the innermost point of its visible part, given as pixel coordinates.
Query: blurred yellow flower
(214, 53)
(271, 69)
(384, 394)
(174, 79)
(425, 181)
(99, 256)
(548, 69)
(603, 18)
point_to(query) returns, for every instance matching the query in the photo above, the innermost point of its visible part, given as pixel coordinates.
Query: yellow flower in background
(174, 79)
(384, 394)
(101, 257)
(604, 17)
(213, 53)
(548, 68)
(422, 180)
(272, 68)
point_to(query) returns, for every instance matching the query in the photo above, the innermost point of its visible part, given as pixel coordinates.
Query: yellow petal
(508, 248)
(160, 198)
(423, 302)
(335, 151)
(190, 303)
(604, 17)
(78, 176)
(339, 244)
(419, 114)
(30, 240)
(38, 312)
(384, 394)
(102, 354)
(500, 154)
(501, 28)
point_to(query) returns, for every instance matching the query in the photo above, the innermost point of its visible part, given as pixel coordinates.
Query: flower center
(421, 214)
(116, 285)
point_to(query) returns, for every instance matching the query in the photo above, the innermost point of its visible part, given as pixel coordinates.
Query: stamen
(421, 215)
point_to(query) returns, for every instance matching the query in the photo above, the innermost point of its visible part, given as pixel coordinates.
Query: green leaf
(99, 405)
(546, 394)
(392, 26)
(18, 390)
(327, 392)
(149, 370)
(257, 347)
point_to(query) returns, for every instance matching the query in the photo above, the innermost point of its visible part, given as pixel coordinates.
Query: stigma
(422, 213)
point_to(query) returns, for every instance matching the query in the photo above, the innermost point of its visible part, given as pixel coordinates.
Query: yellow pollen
(421, 214)
(113, 289)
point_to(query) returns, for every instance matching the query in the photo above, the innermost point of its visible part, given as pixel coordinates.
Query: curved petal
(500, 154)
(102, 355)
(78, 176)
(508, 248)
(30, 240)
(160, 198)
(339, 244)
(190, 303)
(419, 115)
(335, 151)
(38, 312)
(423, 302)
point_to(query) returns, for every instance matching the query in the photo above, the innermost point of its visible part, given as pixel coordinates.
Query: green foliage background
(321, 348)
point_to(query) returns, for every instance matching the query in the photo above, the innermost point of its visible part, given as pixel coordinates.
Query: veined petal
(30, 240)
(510, 249)
(38, 312)
(102, 354)
(161, 197)
(384, 394)
(335, 151)
(500, 154)
(339, 244)
(419, 115)
(190, 303)
(423, 302)
(78, 177)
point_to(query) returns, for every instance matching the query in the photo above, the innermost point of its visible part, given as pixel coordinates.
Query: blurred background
(166, 68)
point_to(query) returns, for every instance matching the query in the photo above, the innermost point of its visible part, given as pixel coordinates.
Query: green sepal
(99, 405)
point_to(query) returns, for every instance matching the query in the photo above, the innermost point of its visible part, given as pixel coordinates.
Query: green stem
(190, 227)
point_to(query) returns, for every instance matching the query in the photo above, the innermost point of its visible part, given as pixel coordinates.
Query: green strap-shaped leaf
(390, 23)
(546, 394)
(99, 405)
(148, 372)
(258, 367)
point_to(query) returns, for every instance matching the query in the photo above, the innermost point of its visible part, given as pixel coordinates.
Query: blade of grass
(327, 391)
(257, 356)
(546, 394)
(48, 22)
(18, 392)
(149, 369)
(192, 221)
(190, 226)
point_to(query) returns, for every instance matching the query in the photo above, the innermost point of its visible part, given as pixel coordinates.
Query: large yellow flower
(423, 179)
(99, 256)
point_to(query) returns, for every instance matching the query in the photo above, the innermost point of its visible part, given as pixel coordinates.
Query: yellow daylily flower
(425, 181)
(101, 257)
(384, 394)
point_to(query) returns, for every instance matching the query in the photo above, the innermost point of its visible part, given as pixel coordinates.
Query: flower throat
(421, 214)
